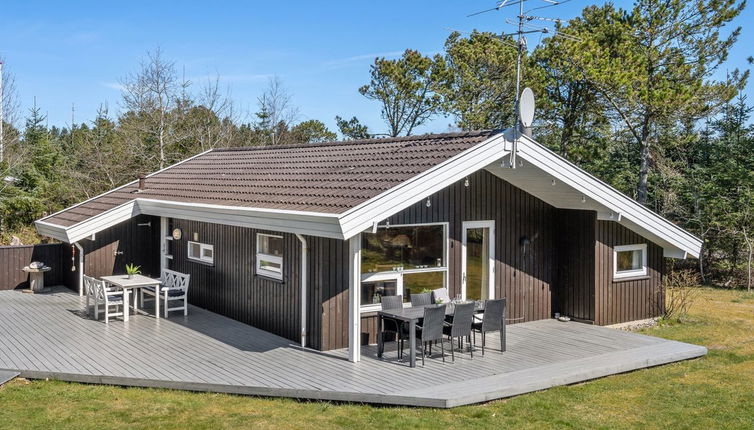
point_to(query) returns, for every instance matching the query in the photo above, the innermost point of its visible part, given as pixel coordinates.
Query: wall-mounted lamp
(429, 203)
(553, 182)
(466, 182)
(583, 198)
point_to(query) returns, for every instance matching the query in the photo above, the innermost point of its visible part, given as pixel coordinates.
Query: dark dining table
(411, 316)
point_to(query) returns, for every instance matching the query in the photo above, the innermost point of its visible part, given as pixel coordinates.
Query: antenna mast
(523, 19)
(521, 43)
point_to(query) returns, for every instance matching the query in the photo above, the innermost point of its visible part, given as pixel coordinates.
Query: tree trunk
(749, 261)
(701, 263)
(642, 186)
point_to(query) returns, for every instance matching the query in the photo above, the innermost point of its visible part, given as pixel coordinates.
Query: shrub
(680, 289)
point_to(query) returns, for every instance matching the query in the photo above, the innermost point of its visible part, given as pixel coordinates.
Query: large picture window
(629, 261)
(270, 256)
(401, 260)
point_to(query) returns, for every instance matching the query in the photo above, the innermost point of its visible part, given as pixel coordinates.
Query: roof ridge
(426, 136)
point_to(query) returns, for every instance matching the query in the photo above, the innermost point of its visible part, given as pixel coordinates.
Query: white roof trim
(394, 200)
(675, 241)
(632, 214)
(123, 186)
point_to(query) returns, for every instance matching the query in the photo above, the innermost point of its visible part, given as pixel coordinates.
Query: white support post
(80, 249)
(304, 276)
(163, 244)
(354, 299)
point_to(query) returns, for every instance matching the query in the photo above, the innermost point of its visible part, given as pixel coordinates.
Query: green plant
(679, 289)
(132, 269)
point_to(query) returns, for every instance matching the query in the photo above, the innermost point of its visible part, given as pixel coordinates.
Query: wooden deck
(49, 336)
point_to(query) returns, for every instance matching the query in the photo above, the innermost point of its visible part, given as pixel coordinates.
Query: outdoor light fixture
(553, 182)
(429, 203)
(583, 198)
(466, 182)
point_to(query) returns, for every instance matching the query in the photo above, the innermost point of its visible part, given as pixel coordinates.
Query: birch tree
(154, 99)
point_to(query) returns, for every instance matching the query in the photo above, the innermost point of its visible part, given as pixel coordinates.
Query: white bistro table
(129, 285)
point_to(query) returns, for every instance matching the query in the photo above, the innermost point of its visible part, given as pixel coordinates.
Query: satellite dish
(526, 107)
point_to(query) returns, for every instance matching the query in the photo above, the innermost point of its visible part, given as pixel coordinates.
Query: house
(303, 240)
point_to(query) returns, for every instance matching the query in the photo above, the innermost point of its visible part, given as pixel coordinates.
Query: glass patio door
(478, 260)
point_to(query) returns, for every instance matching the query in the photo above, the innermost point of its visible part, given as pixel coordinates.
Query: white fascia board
(609, 197)
(102, 221)
(54, 231)
(394, 200)
(301, 222)
(126, 185)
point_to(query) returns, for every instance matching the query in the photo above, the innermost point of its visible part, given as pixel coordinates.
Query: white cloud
(112, 85)
(343, 62)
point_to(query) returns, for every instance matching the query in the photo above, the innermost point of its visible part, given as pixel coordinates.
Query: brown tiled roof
(326, 177)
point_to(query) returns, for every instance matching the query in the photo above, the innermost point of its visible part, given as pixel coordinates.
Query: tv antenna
(523, 106)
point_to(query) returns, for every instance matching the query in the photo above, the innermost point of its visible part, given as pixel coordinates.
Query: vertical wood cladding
(574, 292)
(125, 243)
(524, 275)
(230, 286)
(15, 258)
(630, 299)
(328, 287)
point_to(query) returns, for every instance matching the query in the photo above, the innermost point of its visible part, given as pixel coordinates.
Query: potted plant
(132, 269)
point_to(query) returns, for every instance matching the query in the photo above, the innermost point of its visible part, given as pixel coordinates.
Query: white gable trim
(394, 200)
(675, 241)
(632, 214)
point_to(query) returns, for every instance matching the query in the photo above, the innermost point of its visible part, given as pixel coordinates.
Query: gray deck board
(49, 336)
(7, 375)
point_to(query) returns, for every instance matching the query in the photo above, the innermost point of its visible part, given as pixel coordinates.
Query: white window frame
(202, 248)
(626, 274)
(268, 257)
(397, 275)
(465, 226)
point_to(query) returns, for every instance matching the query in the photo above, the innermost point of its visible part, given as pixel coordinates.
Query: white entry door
(478, 260)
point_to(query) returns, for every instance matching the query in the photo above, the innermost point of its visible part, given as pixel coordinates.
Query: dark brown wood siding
(15, 258)
(230, 286)
(328, 301)
(524, 275)
(631, 299)
(135, 241)
(574, 293)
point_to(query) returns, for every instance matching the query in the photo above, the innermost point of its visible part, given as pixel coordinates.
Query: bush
(680, 289)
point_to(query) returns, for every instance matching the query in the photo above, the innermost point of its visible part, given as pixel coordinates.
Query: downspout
(81, 267)
(304, 257)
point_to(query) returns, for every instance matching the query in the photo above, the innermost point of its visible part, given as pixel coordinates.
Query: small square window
(629, 261)
(270, 256)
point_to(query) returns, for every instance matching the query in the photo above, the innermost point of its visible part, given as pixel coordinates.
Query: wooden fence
(14, 258)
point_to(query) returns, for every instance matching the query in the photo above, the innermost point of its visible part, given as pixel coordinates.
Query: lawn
(716, 391)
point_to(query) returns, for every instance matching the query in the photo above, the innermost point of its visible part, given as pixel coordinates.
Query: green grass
(716, 391)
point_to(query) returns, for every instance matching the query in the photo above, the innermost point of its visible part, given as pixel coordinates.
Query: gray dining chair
(391, 326)
(460, 328)
(421, 299)
(492, 320)
(430, 330)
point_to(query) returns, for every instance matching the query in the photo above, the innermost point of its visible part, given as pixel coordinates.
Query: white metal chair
(173, 286)
(98, 292)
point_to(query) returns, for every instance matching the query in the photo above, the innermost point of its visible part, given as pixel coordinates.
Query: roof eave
(309, 223)
(676, 242)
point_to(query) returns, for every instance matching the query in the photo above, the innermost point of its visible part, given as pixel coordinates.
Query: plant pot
(130, 276)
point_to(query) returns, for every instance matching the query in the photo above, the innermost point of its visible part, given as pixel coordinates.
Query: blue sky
(75, 52)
